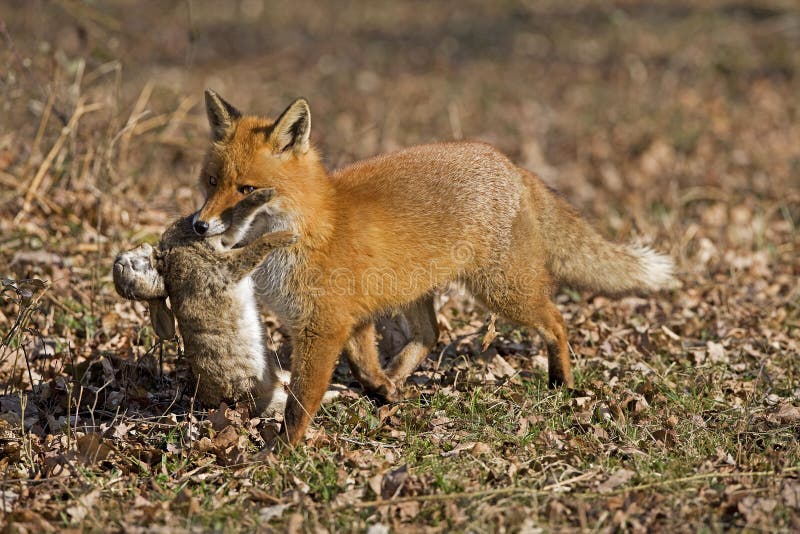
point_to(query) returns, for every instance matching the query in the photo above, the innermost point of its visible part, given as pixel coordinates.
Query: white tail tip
(657, 270)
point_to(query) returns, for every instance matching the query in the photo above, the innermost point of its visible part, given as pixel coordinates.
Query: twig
(48, 108)
(705, 476)
(549, 489)
(137, 114)
(48, 160)
(472, 494)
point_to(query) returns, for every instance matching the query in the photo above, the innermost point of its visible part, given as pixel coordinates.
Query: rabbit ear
(162, 318)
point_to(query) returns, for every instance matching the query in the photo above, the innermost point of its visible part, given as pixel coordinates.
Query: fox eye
(246, 189)
(212, 181)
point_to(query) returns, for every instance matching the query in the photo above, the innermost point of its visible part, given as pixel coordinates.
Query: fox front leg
(313, 360)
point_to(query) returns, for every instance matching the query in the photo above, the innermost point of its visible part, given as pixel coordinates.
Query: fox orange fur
(384, 233)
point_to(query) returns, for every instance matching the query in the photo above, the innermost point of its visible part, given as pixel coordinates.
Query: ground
(672, 122)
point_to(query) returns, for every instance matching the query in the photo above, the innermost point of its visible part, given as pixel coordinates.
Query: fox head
(249, 153)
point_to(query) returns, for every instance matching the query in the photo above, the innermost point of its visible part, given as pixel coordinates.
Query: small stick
(548, 489)
(48, 160)
(48, 108)
(137, 113)
(470, 494)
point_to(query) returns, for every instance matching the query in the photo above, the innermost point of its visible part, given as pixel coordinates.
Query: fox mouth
(216, 226)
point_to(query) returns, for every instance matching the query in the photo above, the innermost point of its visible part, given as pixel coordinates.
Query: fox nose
(200, 227)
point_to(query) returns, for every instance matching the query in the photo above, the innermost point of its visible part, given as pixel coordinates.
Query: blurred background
(618, 104)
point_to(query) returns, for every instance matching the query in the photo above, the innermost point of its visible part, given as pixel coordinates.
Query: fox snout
(205, 225)
(209, 227)
(200, 227)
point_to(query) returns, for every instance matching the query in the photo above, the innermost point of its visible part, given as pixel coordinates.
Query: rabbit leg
(243, 261)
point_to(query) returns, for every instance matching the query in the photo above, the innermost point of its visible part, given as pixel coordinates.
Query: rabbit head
(136, 277)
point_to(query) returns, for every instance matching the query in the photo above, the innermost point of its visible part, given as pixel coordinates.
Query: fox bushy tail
(580, 257)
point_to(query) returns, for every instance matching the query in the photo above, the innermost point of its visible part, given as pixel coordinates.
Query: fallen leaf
(77, 512)
(791, 494)
(378, 528)
(756, 509)
(226, 438)
(716, 352)
(393, 482)
(92, 449)
(272, 512)
(491, 333)
(787, 414)
(618, 478)
(501, 368)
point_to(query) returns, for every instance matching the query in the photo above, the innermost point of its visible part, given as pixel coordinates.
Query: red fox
(383, 234)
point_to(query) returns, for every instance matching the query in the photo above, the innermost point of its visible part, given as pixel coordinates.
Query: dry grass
(662, 120)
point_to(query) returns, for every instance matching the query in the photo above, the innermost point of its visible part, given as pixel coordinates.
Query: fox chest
(276, 284)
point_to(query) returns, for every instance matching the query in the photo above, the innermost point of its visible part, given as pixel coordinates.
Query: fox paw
(386, 393)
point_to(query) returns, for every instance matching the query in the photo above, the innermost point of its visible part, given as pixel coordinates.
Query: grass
(668, 121)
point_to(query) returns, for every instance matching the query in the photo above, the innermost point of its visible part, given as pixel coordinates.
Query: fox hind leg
(421, 317)
(529, 304)
(362, 355)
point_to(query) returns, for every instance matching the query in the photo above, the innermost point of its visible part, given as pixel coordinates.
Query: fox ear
(220, 115)
(292, 129)
(162, 318)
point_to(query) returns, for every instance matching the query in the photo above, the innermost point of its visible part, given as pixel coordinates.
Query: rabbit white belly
(251, 331)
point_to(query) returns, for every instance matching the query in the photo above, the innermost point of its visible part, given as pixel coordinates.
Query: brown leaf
(480, 448)
(524, 423)
(787, 414)
(27, 521)
(407, 511)
(223, 417)
(618, 478)
(386, 411)
(716, 352)
(756, 509)
(491, 333)
(204, 444)
(665, 436)
(226, 438)
(501, 368)
(375, 482)
(272, 512)
(92, 449)
(791, 494)
(348, 498)
(295, 524)
(186, 502)
(82, 506)
(393, 482)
